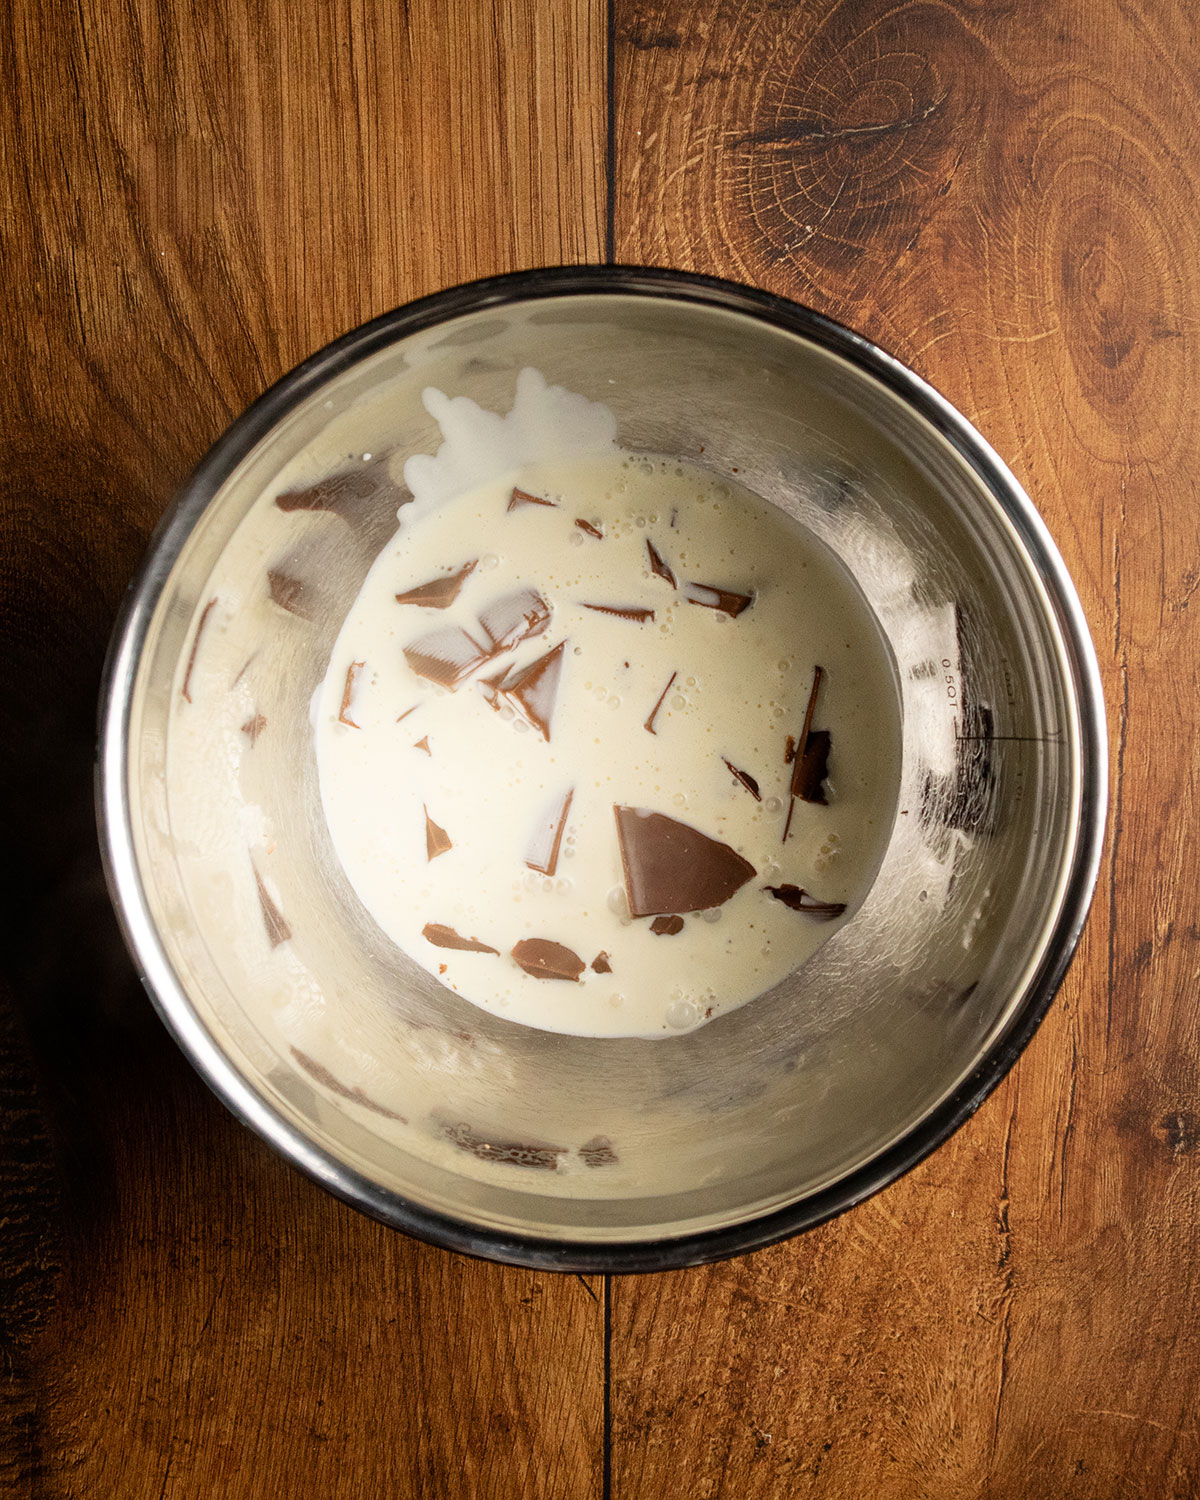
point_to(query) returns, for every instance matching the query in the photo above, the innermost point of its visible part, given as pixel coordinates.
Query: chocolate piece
(439, 593)
(514, 618)
(533, 691)
(445, 656)
(674, 512)
(491, 686)
(442, 936)
(662, 698)
(252, 728)
(623, 612)
(598, 1152)
(547, 838)
(245, 666)
(509, 1153)
(335, 1086)
(601, 964)
(799, 752)
(352, 672)
(523, 497)
(789, 750)
(796, 899)
(437, 840)
(708, 596)
(423, 744)
(746, 780)
(590, 529)
(186, 690)
(813, 766)
(287, 592)
(339, 492)
(546, 960)
(406, 712)
(671, 867)
(666, 926)
(278, 930)
(657, 566)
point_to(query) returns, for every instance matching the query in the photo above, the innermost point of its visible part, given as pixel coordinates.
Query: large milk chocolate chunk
(514, 618)
(445, 656)
(726, 600)
(439, 593)
(340, 492)
(671, 867)
(547, 836)
(546, 960)
(534, 691)
(442, 936)
(797, 899)
(437, 840)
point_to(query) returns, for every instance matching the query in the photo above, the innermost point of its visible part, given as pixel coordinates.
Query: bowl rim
(114, 812)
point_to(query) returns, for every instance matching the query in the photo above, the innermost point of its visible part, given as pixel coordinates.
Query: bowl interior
(400, 1092)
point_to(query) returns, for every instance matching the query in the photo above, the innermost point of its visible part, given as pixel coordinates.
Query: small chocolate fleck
(547, 839)
(671, 867)
(590, 529)
(437, 840)
(534, 691)
(287, 592)
(623, 611)
(601, 964)
(666, 926)
(746, 780)
(339, 492)
(674, 512)
(514, 618)
(708, 596)
(442, 936)
(439, 593)
(406, 712)
(445, 656)
(244, 668)
(662, 698)
(186, 690)
(598, 1152)
(352, 672)
(252, 728)
(789, 750)
(509, 1153)
(278, 930)
(322, 1075)
(548, 960)
(796, 899)
(657, 566)
(423, 744)
(523, 497)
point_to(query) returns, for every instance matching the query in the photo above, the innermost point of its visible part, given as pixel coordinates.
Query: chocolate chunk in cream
(671, 867)
(548, 960)
(534, 691)
(439, 593)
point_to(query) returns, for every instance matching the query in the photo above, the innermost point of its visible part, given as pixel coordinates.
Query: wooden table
(199, 195)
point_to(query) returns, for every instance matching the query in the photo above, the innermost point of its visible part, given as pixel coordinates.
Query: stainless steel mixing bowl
(544, 1149)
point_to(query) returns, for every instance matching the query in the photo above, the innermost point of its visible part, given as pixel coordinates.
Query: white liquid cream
(553, 738)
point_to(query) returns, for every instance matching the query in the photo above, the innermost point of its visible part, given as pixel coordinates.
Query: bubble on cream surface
(499, 738)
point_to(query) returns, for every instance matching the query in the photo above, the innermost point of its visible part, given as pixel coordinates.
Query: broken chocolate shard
(590, 529)
(352, 672)
(442, 936)
(278, 930)
(802, 780)
(598, 1152)
(423, 744)
(789, 750)
(437, 840)
(508, 1153)
(666, 926)
(252, 728)
(439, 593)
(796, 899)
(186, 690)
(657, 566)
(533, 692)
(671, 867)
(813, 767)
(514, 618)
(445, 656)
(729, 602)
(406, 712)
(523, 497)
(491, 686)
(746, 780)
(674, 512)
(287, 592)
(323, 1076)
(547, 837)
(662, 698)
(632, 612)
(244, 668)
(548, 960)
(601, 964)
(340, 493)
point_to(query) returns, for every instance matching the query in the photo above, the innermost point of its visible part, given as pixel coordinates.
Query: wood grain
(198, 196)
(1004, 196)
